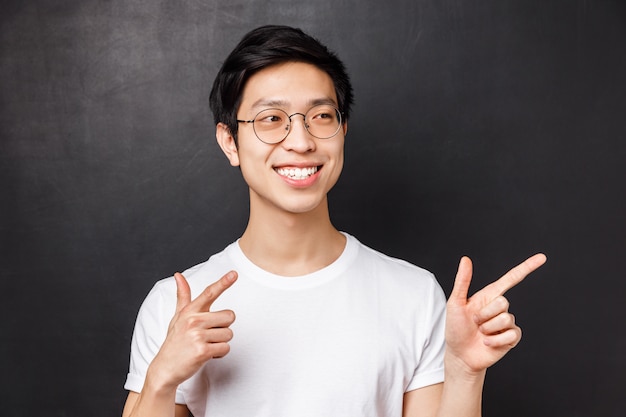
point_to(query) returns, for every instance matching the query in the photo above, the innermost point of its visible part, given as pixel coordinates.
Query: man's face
(293, 87)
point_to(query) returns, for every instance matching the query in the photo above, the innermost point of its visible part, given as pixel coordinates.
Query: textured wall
(494, 129)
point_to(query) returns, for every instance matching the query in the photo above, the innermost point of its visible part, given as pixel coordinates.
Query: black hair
(264, 47)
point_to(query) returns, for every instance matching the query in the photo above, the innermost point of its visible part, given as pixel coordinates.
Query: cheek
(247, 167)
(338, 166)
(252, 163)
(251, 151)
(340, 162)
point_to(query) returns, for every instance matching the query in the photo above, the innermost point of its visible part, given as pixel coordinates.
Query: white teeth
(297, 173)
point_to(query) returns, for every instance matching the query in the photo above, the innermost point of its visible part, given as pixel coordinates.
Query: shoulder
(400, 289)
(162, 296)
(394, 278)
(379, 264)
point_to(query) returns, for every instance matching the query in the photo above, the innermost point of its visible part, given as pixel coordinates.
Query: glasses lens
(271, 125)
(323, 121)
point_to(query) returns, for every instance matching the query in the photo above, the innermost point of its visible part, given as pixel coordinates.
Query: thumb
(462, 281)
(183, 292)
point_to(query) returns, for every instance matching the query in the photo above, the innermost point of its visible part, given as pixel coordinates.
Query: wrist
(159, 384)
(456, 369)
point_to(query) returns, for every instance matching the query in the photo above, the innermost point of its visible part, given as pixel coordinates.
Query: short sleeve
(150, 331)
(430, 368)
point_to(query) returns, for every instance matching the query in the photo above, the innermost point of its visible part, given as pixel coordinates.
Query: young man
(325, 326)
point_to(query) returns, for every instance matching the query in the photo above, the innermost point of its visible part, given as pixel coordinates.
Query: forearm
(462, 392)
(155, 400)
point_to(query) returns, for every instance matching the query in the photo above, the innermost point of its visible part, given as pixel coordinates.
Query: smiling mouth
(297, 173)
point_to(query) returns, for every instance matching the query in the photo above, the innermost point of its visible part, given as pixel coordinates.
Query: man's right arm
(194, 336)
(153, 408)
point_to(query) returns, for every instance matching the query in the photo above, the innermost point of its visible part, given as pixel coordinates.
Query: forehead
(290, 85)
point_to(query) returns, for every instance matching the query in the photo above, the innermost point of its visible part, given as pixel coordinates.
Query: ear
(227, 142)
(345, 128)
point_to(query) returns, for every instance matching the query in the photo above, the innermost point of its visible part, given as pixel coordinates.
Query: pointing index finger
(206, 298)
(517, 274)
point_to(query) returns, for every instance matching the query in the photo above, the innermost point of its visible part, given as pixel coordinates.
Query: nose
(298, 139)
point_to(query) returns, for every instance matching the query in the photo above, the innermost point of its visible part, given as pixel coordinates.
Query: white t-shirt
(347, 340)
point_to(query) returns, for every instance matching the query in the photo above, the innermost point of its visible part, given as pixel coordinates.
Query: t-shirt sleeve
(430, 369)
(150, 331)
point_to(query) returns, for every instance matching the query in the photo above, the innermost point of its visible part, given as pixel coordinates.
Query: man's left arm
(480, 330)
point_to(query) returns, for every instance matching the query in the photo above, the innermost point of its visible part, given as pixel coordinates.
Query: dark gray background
(494, 129)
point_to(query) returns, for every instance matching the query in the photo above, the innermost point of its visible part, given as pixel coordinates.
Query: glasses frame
(289, 116)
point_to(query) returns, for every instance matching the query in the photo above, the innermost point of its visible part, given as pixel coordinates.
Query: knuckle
(220, 350)
(197, 337)
(192, 321)
(230, 315)
(202, 351)
(502, 303)
(228, 334)
(209, 293)
(517, 338)
(224, 348)
(512, 319)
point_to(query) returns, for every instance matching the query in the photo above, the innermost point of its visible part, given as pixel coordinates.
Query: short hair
(262, 48)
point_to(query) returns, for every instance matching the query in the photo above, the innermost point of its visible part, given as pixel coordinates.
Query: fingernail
(230, 277)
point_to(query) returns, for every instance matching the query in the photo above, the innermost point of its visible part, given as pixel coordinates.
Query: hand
(480, 330)
(195, 334)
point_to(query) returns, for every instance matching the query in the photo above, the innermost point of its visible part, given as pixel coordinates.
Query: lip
(307, 164)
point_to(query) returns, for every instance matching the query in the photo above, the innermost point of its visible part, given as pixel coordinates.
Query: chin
(304, 206)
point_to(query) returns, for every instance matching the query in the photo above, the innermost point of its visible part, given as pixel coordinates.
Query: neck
(292, 244)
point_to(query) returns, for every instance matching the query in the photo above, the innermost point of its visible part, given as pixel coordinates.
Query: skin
(289, 233)
(479, 332)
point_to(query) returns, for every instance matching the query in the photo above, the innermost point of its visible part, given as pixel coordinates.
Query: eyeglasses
(272, 126)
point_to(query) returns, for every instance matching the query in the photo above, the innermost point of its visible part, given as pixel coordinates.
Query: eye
(323, 114)
(270, 118)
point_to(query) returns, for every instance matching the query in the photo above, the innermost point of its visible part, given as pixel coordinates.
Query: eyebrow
(266, 103)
